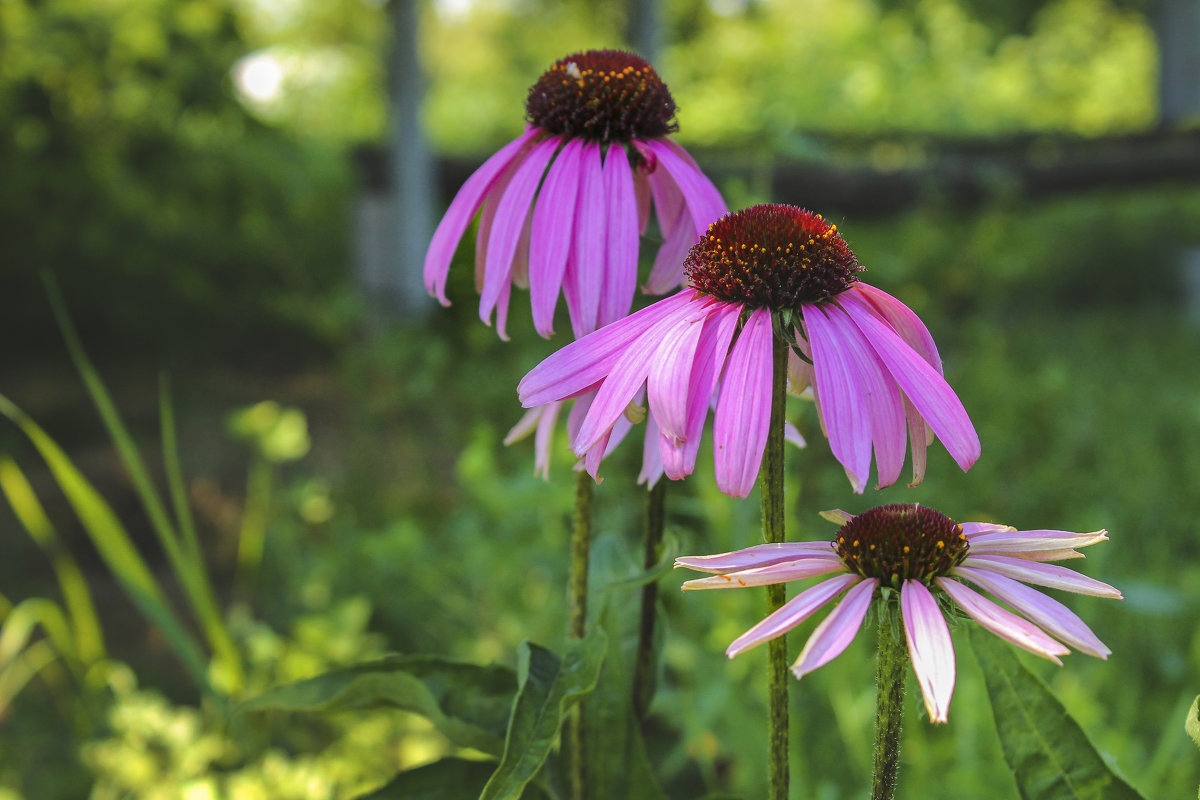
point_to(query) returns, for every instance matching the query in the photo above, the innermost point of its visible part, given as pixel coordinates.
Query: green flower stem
(889, 708)
(581, 542)
(773, 531)
(643, 679)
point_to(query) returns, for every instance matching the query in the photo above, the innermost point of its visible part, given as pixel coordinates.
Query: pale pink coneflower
(927, 559)
(759, 273)
(565, 203)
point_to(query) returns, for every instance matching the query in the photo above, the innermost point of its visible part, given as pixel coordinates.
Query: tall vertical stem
(773, 531)
(581, 542)
(889, 707)
(643, 680)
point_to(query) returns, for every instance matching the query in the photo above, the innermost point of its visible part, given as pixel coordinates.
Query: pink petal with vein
(704, 202)
(1027, 543)
(620, 244)
(588, 243)
(669, 379)
(462, 209)
(973, 529)
(759, 555)
(508, 223)
(543, 439)
(929, 647)
(843, 407)
(1045, 612)
(678, 234)
(1003, 623)
(836, 631)
(924, 386)
(1048, 575)
(792, 613)
(902, 320)
(710, 356)
(553, 221)
(776, 573)
(744, 407)
(652, 465)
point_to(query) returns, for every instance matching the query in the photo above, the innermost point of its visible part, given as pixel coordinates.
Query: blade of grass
(88, 635)
(174, 470)
(22, 620)
(112, 541)
(16, 675)
(190, 572)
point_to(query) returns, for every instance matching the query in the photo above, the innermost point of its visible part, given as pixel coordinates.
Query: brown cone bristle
(898, 542)
(773, 256)
(604, 96)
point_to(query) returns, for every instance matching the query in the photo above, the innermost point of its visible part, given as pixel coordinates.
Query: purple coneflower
(766, 271)
(564, 204)
(926, 557)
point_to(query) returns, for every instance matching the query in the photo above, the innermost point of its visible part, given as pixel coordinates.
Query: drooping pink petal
(669, 379)
(1045, 612)
(677, 231)
(525, 425)
(584, 280)
(903, 321)
(744, 407)
(553, 221)
(919, 437)
(836, 631)
(704, 202)
(792, 435)
(578, 413)
(792, 613)
(625, 379)
(710, 358)
(508, 223)
(841, 399)
(759, 555)
(462, 209)
(520, 263)
(799, 371)
(799, 569)
(587, 361)
(620, 244)
(502, 311)
(544, 438)
(1003, 623)
(605, 444)
(1048, 575)
(929, 647)
(923, 385)
(652, 465)
(491, 202)
(880, 395)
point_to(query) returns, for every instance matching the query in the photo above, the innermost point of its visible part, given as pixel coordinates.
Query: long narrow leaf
(448, 779)
(1049, 754)
(21, 621)
(112, 542)
(89, 636)
(549, 687)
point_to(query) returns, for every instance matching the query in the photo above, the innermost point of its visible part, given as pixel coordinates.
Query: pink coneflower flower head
(925, 560)
(565, 203)
(764, 272)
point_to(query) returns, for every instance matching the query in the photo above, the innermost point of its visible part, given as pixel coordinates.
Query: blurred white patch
(259, 77)
(453, 8)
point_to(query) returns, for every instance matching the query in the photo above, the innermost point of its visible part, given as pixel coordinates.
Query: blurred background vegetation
(199, 175)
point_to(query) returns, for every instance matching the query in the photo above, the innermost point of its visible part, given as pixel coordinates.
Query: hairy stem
(581, 542)
(773, 531)
(643, 678)
(889, 708)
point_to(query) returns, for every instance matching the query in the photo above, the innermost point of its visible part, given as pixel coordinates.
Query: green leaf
(468, 703)
(618, 765)
(1049, 754)
(448, 779)
(1192, 724)
(549, 687)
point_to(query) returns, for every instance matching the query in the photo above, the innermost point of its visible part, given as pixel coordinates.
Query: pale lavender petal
(799, 370)
(462, 209)
(744, 407)
(1002, 622)
(1048, 575)
(578, 413)
(620, 244)
(585, 362)
(1045, 612)
(544, 438)
(586, 266)
(641, 188)
(525, 425)
(520, 263)
(759, 555)
(929, 647)
(483, 232)
(652, 465)
(626, 378)
(843, 407)
(902, 320)
(1023, 543)
(502, 311)
(669, 379)
(837, 516)
(792, 613)
(919, 437)
(553, 221)
(836, 631)
(508, 223)
(792, 435)
(797, 570)
(923, 385)
(604, 445)
(973, 529)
